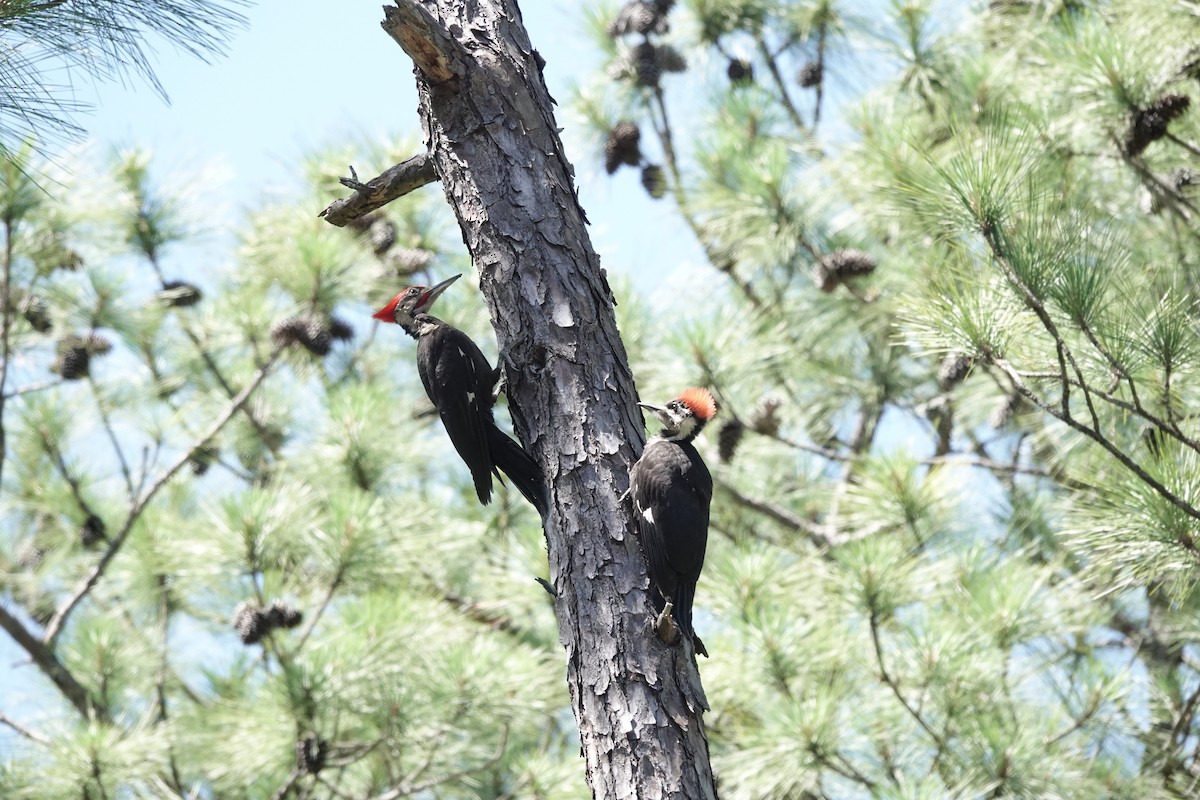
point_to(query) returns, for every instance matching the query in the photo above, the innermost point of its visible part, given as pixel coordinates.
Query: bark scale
(490, 129)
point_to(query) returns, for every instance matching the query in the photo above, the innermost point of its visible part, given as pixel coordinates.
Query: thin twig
(112, 436)
(28, 733)
(1100, 439)
(887, 678)
(34, 387)
(780, 84)
(6, 312)
(55, 626)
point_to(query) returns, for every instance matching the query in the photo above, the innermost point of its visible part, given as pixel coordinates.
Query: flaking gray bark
(490, 128)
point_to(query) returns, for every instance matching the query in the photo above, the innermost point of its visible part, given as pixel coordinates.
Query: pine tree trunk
(490, 128)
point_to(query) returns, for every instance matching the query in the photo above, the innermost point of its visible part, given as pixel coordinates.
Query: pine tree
(954, 538)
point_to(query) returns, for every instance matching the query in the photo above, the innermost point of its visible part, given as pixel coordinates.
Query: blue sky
(304, 74)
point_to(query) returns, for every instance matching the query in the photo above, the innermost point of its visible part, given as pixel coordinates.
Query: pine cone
(36, 313)
(250, 623)
(647, 66)
(765, 419)
(363, 224)
(406, 260)
(73, 361)
(281, 615)
(740, 71)
(639, 17)
(310, 754)
(97, 345)
(654, 181)
(29, 556)
(670, 59)
(203, 458)
(92, 532)
(810, 75)
(317, 338)
(383, 236)
(1004, 411)
(728, 438)
(340, 330)
(953, 370)
(289, 331)
(834, 268)
(622, 146)
(180, 294)
(1150, 124)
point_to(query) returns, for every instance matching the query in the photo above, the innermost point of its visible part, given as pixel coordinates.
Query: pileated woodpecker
(459, 380)
(671, 490)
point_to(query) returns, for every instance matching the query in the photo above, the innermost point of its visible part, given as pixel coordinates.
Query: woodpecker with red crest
(460, 382)
(671, 490)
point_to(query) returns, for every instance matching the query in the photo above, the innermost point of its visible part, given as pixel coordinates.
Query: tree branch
(393, 182)
(51, 667)
(138, 505)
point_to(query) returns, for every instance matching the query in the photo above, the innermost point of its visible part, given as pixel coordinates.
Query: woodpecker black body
(671, 489)
(460, 381)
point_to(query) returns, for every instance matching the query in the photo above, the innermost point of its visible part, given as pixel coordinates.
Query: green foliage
(953, 550)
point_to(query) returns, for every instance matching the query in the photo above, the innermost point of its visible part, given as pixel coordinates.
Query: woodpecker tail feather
(685, 592)
(511, 459)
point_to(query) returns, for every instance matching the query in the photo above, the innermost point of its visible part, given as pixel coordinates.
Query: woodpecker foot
(546, 585)
(664, 625)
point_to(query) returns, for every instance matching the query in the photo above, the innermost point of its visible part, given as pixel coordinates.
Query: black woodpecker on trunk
(460, 382)
(671, 490)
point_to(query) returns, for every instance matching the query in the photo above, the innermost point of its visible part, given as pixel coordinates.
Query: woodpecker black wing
(456, 376)
(672, 489)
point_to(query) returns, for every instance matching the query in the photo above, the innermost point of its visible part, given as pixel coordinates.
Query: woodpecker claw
(499, 384)
(664, 625)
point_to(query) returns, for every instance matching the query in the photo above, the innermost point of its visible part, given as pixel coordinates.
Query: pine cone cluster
(1150, 124)
(180, 294)
(840, 265)
(316, 334)
(252, 622)
(639, 16)
(622, 146)
(953, 370)
(74, 355)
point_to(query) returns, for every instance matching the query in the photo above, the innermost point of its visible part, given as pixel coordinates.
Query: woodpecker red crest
(700, 401)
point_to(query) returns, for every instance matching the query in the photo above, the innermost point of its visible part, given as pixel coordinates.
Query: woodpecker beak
(664, 416)
(432, 294)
